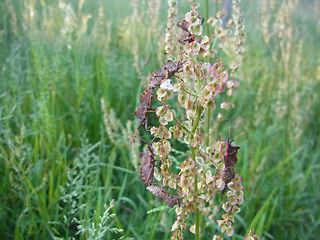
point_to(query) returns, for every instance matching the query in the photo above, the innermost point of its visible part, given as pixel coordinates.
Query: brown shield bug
(144, 108)
(156, 77)
(186, 36)
(172, 68)
(147, 168)
(164, 196)
(230, 160)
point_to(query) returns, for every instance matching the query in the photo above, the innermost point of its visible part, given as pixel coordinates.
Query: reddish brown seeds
(164, 196)
(147, 168)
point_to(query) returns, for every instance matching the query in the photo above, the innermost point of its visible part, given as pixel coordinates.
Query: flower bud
(164, 148)
(169, 94)
(161, 92)
(198, 73)
(195, 47)
(220, 184)
(176, 87)
(187, 49)
(226, 206)
(230, 231)
(178, 133)
(160, 111)
(238, 187)
(221, 166)
(196, 29)
(169, 115)
(190, 114)
(207, 93)
(203, 103)
(163, 121)
(166, 84)
(188, 105)
(237, 179)
(233, 201)
(224, 76)
(172, 183)
(211, 104)
(217, 237)
(187, 139)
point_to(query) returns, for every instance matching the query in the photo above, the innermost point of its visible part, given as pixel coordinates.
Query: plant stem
(207, 139)
(182, 126)
(207, 17)
(196, 192)
(197, 212)
(196, 124)
(192, 94)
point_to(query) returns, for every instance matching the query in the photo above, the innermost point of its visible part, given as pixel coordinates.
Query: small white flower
(166, 85)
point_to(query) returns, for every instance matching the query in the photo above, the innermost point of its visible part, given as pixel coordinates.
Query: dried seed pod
(164, 196)
(147, 168)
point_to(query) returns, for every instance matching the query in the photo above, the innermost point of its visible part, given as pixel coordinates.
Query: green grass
(51, 85)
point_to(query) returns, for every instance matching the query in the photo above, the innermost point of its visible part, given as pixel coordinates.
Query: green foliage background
(57, 162)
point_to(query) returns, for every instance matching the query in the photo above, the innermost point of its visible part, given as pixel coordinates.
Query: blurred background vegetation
(71, 73)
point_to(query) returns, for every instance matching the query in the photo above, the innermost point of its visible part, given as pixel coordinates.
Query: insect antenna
(239, 135)
(230, 132)
(181, 53)
(229, 129)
